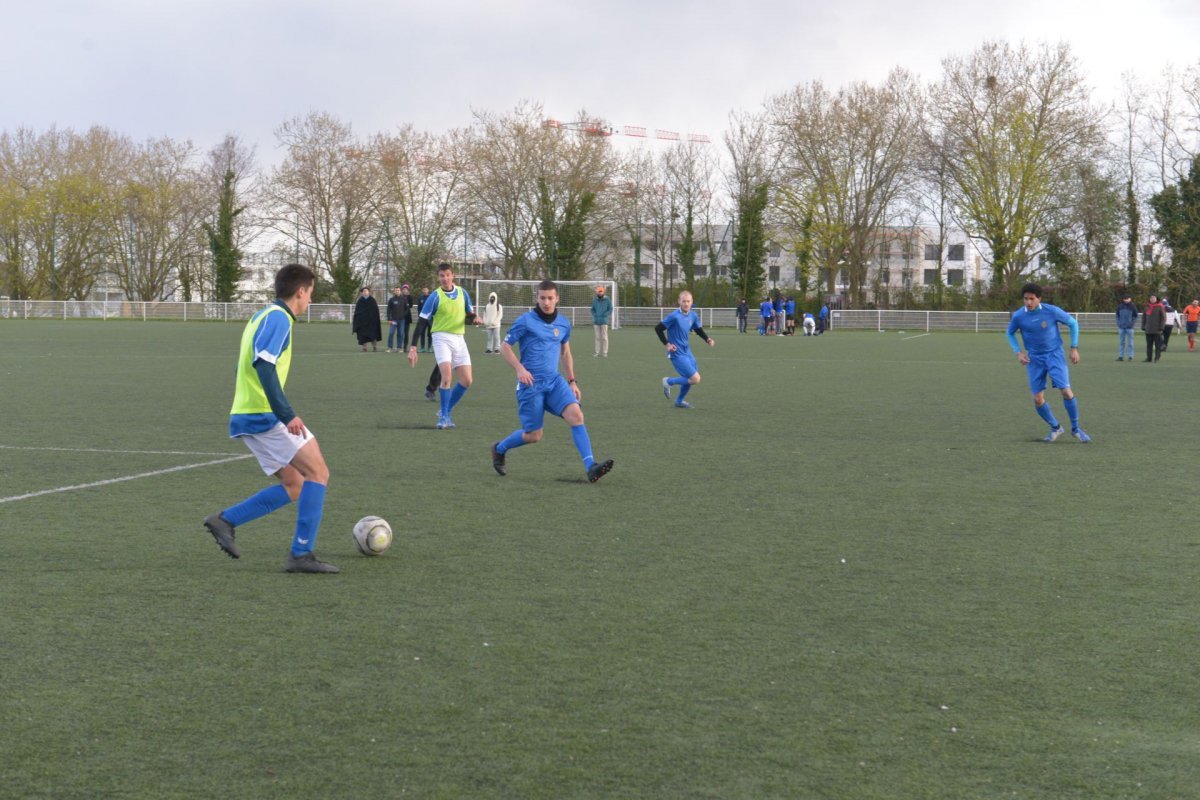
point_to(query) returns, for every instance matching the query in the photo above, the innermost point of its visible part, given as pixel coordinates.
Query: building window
(954, 277)
(931, 277)
(608, 270)
(1042, 261)
(669, 271)
(957, 253)
(774, 273)
(774, 249)
(885, 276)
(701, 270)
(1148, 253)
(885, 251)
(933, 252)
(704, 247)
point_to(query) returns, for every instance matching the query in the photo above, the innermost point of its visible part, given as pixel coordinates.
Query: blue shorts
(1042, 365)
(684, 363)
(553, 395)
(1191, 326)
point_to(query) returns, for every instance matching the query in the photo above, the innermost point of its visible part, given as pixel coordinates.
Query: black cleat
(598, 470)
(308, 563)
(498, 461)
(223, 532)
(429, 394)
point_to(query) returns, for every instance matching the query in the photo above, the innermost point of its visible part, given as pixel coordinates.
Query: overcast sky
(198, 69)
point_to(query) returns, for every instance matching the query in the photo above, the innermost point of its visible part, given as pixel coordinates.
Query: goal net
(574, 298)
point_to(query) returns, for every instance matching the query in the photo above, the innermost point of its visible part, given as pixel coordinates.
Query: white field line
(121, 479)
(120, 452)
(918, 336)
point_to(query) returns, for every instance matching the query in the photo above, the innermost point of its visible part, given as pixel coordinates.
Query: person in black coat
(366, 325)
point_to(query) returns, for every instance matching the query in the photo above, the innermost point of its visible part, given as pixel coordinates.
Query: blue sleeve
(1073, 324)
(271, 338)
(274, 392)
(1011, 333)
(514, 331)
(430, 307)
(470, 307)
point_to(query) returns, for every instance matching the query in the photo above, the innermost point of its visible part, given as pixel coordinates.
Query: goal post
(574, 298)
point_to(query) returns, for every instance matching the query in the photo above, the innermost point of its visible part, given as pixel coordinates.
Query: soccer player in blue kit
(674, 332)
(1038, 323)
(543, 336)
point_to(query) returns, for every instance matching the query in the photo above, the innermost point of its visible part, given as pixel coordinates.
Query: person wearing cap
(1127, 315)
(601, 314)
(399, 316)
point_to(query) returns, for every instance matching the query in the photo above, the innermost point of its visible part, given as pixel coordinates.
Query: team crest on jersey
(555, 332)
(1043, 323)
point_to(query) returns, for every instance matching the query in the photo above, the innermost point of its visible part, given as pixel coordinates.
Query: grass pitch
(852, 571)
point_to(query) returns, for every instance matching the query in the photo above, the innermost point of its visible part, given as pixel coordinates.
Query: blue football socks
(455, 395)
(514, 439)
(444, 399)
(583, 444)
(308, 518)
(1045, 413)
(259, 505)
(1072, 407)
(683, 391)
(677, 381)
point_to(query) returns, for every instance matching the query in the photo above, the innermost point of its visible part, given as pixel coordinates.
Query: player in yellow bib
(262, 418)
(447, 313)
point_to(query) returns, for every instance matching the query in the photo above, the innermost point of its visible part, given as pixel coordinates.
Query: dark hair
(291, 278)
(1031, 288)
(445, 267)
(547, 285)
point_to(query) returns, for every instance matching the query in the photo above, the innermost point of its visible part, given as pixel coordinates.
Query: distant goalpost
(574, 298)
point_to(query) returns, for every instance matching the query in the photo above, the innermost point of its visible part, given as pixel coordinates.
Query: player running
(262, 418)
(446, 313)
(1038, 323)
(674, 332)
(543, 336)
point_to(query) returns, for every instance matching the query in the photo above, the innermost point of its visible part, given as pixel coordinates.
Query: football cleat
(308, 563)
(223, 532)
(1079, 434)
(684, 404)
(667, 388)
(598, 470)
(429, 394)
(1054, 434)
(498, 460)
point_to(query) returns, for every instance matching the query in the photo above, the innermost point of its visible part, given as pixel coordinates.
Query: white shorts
(451, 347)
(275, 448)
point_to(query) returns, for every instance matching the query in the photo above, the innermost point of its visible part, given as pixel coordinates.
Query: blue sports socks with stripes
(583, 444)
(308, 517)
(1072, 407)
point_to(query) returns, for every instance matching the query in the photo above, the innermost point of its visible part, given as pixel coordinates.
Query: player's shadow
(572, 480)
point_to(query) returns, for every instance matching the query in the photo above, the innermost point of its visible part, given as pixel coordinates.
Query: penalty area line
(121, 479)
(102, 450)
(918, 336)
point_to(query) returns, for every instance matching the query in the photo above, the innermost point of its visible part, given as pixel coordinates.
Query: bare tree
(849, 155)
(158, 225)
(423, 197)
(1015, 124)
(323, 197)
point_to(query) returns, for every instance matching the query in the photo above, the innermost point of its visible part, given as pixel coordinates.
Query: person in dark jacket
(743, 311)
(425, 344)
(1127, 315)
(399, 316)
(366, 324)
(1154, 319)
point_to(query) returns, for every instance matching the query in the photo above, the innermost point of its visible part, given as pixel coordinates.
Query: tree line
(1008, 144)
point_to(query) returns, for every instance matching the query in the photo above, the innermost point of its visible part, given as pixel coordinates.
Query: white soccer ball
(372, 536)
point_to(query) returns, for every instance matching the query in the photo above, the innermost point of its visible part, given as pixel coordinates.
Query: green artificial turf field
(852, 571)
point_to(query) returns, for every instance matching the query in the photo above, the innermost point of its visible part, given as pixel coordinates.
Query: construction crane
(599, 129)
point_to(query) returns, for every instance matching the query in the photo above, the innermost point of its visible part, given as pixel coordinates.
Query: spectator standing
(823, 322)
(397, 308)
(1127, 315)
(743, 311)
(1170, 320)
(366, 324)
(1153, 320)
(493, 315)
(766, 311)
(601, 314)
(423, 340)
(780, 315)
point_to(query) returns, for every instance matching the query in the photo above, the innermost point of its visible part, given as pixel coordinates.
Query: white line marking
(918, 336)
(120, 480)
(122, 452)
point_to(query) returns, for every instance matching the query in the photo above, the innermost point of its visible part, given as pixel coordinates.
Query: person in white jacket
(493, 314)
(1172, 319)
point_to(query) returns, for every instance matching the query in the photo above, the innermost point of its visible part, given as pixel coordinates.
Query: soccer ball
(372, 536)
